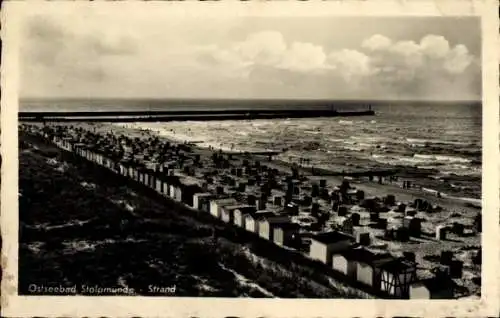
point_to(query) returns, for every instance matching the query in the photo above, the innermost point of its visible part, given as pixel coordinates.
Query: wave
(445, 164)
(441, 158)
(242, 133)
(419, 141)
(342, 138)
(369, 138)
(355, 148)
(345, 122)
(431, 160)
(312, 132)
(335, 139)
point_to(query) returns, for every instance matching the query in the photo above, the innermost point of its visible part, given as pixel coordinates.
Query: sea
(443, 137)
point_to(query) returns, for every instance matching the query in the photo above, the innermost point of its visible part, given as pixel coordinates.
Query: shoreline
(196, 141)
(408, 173)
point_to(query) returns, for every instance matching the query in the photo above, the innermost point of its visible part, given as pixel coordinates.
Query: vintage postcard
(250, 159)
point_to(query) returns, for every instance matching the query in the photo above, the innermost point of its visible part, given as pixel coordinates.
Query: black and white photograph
(247, 155)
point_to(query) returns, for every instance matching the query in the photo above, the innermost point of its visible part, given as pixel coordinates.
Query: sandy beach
(172, 246)
(372, 188)
(427, 247)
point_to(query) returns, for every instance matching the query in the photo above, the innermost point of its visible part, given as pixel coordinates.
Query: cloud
(458, 60)
(435, 46)
(111, 61)
(48, 37)
(55, 58)
(269, 48)
(350, 64)
(303, 56)
(381, 62)
(430, 67)
(377, 42)
(266, 47)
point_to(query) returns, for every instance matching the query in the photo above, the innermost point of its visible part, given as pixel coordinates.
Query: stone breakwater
(198, 115)
(290, 208)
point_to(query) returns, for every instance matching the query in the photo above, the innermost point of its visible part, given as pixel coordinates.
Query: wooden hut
(325, 244)
(267, 225)
(397, 277)
(239, 214)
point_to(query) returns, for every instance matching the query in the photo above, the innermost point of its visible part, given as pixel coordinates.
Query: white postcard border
(51, 306)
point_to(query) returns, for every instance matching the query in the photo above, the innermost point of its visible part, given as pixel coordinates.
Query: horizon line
(375, 100)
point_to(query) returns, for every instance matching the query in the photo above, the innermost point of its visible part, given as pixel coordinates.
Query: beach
(136, 239)
(451, 209)
(453, 202)
(439, 142)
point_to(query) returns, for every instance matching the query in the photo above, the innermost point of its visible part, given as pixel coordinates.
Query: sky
(97, 55)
